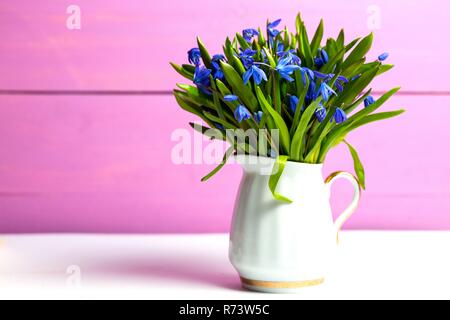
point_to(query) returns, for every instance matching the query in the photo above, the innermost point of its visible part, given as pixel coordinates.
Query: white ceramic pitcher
(277, 246)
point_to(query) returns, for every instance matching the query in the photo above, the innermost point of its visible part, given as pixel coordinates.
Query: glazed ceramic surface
(277, 246)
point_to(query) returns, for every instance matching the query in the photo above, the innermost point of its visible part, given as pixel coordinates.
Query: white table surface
(370, 264)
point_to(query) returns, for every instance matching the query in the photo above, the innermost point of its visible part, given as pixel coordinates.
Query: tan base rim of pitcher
(281, 284)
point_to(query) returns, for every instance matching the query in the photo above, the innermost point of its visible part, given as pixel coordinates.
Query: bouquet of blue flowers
(278, 80)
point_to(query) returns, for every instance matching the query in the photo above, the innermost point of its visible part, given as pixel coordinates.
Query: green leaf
(349, 46)
(182, 71)
(194, 94)
(244, 92)
(215, 119)
(298, 145)
(384, 68)
(204, 53)
(350, 107)
(339, 132)
(269, 57)
(212, 133)
(189, 68)
(328, 67)
(217, 103)
(227, 154)
(340, 40)
(188, 106)
(302, 90)
(359, 52)
(276, 93)
(371, 108)
(277, 171)
(354, 88)
(317, 38)
(279, 122)
(242, 42)
(359, 169)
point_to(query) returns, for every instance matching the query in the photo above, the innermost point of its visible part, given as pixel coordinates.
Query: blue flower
(258, 116)
(323, 55)
(311, 94)
(216, 70)
(248, 34)
(339, 115)
(368, 101)
(355, 77)
(201, 78)
(219, 126)
(321, 59)
(326, 91)
(247, 57)
(293, 101)
(271, 28)
(194, 56)
(285, 69)
(230, 97)
(218, 57)
(255, 72)
(340, 81)
(320, 113)
(383, 56)
(306, 72)
(241, 113)
(291, 55)
(325, 77)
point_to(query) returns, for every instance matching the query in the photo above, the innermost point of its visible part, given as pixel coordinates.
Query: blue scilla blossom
(247, 57)
(255, 72)
(340, 81)
(383, 56)
(271, 28)
(291, 55)
(219, 126)
(321, 59)
(306, 72)
(217, 71)
(355, 77)
(248, 34)
(293, 101)
(258, 116)
(241, 113)
(280, 47)
(201, 78)
(325, 91)
(339, 115)
(368, 101)
(323, 76)
(215, 64)
(320, 113)
(285, 68)
(194, 56)
(218, 57)
(311, 94)
(230, 97)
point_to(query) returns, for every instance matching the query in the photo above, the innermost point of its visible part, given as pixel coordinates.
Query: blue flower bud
(293, 101)
(230, 97)
(241, 113)
(383, 56)
(368, 101)
(339, 115)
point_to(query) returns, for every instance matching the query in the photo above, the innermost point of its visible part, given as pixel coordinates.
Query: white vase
(277, 246)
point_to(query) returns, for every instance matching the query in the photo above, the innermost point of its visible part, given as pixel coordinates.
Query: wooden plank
(127, 46)
(104, 164)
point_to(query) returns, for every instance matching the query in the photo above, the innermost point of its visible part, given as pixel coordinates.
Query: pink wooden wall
(102, 162)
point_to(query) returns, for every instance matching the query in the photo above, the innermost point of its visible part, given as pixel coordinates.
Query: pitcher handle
(352, 206)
